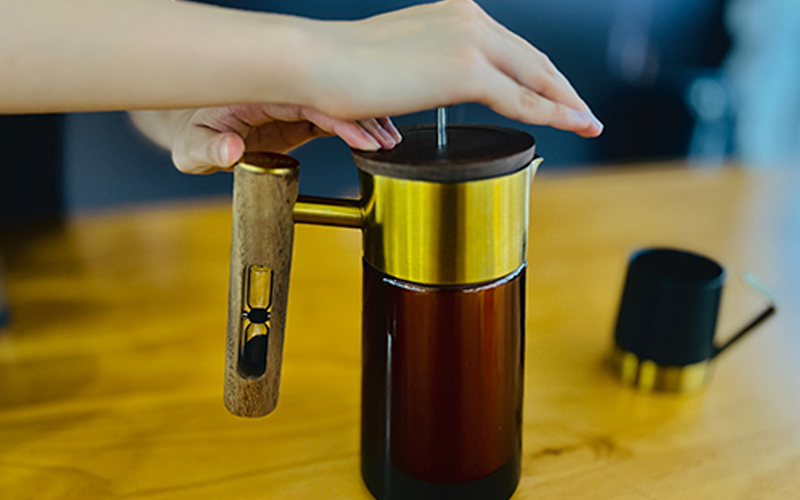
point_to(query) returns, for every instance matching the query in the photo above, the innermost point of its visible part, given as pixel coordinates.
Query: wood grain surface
(262, 236)
(111, 371)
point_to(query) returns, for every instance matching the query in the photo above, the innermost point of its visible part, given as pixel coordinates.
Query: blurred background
(708, 80)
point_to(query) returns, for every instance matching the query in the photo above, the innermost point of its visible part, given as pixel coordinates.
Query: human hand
(207, 140)
(437, 55)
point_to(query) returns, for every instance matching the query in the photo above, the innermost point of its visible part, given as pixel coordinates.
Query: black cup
(664, 336)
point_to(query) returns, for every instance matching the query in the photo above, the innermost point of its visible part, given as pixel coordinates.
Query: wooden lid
(473, 152)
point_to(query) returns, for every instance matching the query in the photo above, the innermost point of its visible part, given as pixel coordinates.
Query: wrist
(276, 64)
(325, 70)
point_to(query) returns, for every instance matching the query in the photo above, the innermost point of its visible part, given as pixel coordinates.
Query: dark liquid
(442, 388)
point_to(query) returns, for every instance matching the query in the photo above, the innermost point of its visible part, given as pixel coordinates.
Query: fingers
(201, 150)
(523, 84)
(387, 125)
(352, 133)
(368, 135)
(518, 102)
(231, 149)
(382, 130)
(529, 67)
(214, 139)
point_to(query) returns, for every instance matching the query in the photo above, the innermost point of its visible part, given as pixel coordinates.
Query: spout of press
(537, 160)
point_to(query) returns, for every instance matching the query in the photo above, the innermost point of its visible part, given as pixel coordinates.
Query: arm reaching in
(82, 55)
(97, 55)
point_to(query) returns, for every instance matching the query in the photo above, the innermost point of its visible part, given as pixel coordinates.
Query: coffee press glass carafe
(444, 237)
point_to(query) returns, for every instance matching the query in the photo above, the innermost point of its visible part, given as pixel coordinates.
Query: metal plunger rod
(441, 128)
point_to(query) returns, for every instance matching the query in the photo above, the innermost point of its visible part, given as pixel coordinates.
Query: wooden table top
(111, 371)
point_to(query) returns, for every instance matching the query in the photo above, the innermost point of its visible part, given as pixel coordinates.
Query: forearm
(85, 55)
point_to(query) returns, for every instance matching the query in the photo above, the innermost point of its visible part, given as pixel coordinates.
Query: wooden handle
(264, 194)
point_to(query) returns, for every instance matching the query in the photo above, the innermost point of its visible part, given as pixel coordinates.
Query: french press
(444, 255)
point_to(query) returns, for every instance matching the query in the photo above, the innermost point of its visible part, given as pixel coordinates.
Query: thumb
(200, 150)
(231, 148)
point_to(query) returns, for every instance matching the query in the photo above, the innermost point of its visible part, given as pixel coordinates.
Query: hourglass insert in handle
(444, 255)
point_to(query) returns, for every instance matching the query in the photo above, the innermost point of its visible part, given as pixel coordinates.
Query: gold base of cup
(647, 376)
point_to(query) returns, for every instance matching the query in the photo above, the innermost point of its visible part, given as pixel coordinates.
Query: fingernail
(580, 117)
(224, 153)
(374, 144)
(396, 135)
(584, 120)
(387, 140)
(597, 123)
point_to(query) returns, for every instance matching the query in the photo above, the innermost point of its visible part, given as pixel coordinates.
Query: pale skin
(219, 81)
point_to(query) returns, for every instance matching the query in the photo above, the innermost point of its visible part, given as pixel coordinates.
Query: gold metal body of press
(431, 228)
